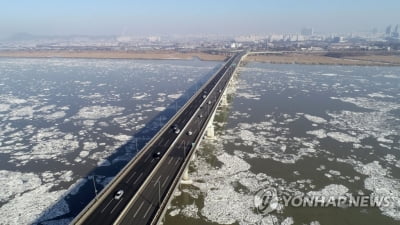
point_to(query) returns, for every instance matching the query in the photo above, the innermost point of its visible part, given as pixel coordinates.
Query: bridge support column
(210, 131)
(224, 99)
(185, 177)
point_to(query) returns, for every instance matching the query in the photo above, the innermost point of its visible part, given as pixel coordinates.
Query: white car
(118, 194)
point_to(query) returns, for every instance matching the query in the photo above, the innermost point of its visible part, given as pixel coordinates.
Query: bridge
(140, 193)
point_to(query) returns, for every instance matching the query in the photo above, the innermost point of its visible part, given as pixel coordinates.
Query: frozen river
(301, 130)
(67, 125)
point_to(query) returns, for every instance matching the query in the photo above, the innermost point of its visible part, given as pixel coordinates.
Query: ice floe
(97, 112)
(342, 137)
(315, 119)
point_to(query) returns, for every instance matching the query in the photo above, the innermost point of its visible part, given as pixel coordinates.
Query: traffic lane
(183, 144)
(134, 170)
(163, 171)
(163, 176)
(147, 202)
(111, 208)
(130, 185)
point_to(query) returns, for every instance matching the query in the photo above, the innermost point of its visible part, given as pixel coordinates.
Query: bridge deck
(148, 179)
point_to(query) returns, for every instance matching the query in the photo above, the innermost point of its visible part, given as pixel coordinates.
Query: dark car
(157, 154)
(176, 129)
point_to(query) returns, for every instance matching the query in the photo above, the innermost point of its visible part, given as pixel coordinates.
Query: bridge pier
(185, 177)
(224, 99)
(210, 134)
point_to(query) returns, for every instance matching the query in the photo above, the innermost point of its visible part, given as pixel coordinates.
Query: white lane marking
(147, 211)
(138, 178)
(151, 160)
(147, 158)
(177, 161)
(162, 139)
(134, 215)
(158, 179)
(165, 142)
(106, 206)
(129, 179)
(170, 160)
(119, 201)
(165, 181)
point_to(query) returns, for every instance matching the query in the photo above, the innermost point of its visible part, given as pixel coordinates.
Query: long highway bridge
(140, 193)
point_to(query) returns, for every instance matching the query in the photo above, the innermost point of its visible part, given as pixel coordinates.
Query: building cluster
(306, 39)
(392, 32)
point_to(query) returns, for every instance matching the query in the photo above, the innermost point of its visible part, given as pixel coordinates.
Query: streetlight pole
(94, 185)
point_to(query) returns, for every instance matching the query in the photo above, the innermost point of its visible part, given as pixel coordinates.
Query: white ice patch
(329, 74)
(315, 119)
(248, 96)
(97, 112)
(49, 149)
(55, 116)
(380, 182)
(174, 96)
(139, 96)
(332, 190)
(342, 137)
(4, 107)
(379, 95)
(35, 204)
(15, 183)
(160, 109)
(21, 113)
(318, 133)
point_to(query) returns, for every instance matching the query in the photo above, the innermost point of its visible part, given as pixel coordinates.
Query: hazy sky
(156, 17)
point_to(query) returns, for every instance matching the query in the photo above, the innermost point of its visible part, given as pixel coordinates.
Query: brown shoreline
(275, 58)
(320, 59)
(113, 55)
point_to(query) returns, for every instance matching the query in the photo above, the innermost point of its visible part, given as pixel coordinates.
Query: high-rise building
(395, 33)
(307, 31)
(389, 30)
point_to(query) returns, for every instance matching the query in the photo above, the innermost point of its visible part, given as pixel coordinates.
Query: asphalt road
(148, 201)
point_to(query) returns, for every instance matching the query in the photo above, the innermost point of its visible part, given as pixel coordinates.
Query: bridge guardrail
(105, 191)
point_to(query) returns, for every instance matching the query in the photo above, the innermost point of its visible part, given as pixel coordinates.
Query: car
(177, 130)
(204, 96)
(189, 132)
(118, 194)
(219, 90)
(157, 154)
(209, 102)
(201, 115)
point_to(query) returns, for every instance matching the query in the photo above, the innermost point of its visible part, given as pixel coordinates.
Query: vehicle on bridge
(157, 154)
(118, 194)
(176, 129)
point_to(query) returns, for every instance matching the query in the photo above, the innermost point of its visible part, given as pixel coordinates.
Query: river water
(69, 125)
(300, 131)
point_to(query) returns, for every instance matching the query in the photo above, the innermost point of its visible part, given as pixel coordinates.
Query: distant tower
(389, 30)
(396, 32)
(307, 31)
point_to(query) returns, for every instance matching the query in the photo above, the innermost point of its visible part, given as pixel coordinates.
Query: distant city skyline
(134, 18)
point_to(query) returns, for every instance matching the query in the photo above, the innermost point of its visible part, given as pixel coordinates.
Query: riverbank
(113, 55)
(324, 59)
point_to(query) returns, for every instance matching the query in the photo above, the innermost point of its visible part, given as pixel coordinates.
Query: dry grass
(392, 59)
(317, 59)
(112, 55)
